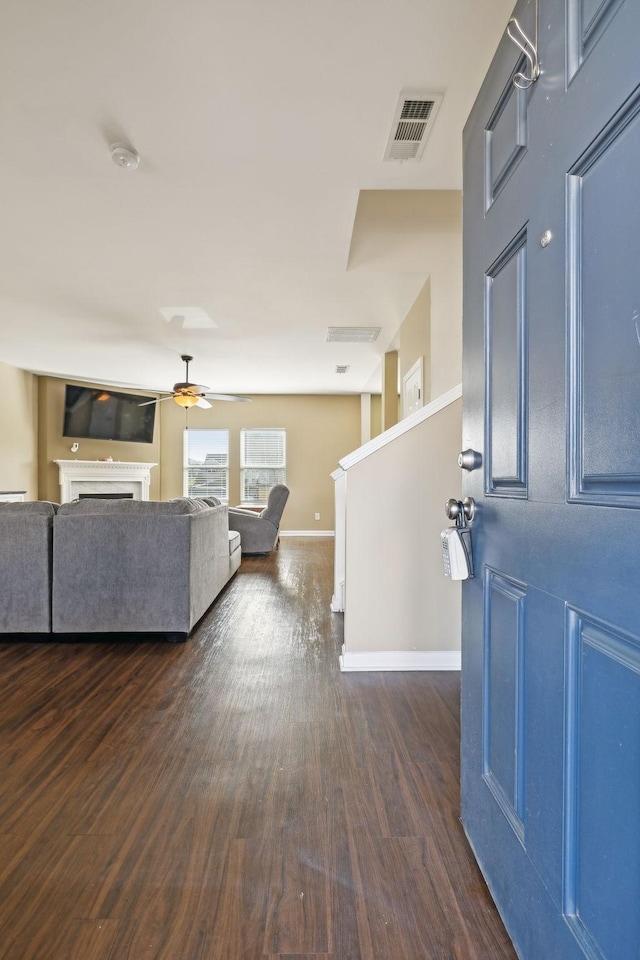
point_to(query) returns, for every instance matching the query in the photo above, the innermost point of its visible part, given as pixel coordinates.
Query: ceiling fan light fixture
(186, 399)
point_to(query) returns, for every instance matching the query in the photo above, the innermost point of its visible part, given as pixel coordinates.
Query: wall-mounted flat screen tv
(100, 414)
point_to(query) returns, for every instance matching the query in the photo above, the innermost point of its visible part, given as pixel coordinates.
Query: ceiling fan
(188, 394)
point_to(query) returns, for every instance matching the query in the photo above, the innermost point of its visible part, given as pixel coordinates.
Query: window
(206, 464)
(263, 463)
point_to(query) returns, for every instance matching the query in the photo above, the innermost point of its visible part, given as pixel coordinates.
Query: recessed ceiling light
(352, 334)
(124, 156)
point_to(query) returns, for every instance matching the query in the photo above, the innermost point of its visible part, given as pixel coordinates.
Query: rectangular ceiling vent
(352, 334)
(342, 368)
(414, 117)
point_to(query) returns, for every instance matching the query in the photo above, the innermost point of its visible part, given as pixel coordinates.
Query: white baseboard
(307, 533)
(400, 660)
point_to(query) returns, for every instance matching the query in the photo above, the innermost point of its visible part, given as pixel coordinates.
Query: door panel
(505, 139)
(587, 21)
(503, 696)
(604, 214)
(544, 750)
(551, 648)
(602, 867)
(506, 369)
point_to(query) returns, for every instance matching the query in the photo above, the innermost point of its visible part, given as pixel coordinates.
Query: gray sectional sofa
(113, 566)
(26, 538)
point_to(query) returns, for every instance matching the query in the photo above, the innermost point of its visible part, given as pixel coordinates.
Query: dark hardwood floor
(234, 797)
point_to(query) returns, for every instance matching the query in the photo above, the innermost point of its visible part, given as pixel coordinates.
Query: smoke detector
(412, 122)
(124, 156)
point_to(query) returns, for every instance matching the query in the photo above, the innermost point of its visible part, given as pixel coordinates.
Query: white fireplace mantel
(103, 476)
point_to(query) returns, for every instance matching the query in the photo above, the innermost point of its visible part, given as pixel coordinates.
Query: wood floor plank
(54, 879)
(74, 940)
(298, 905)
(235, 797)
(350, 939)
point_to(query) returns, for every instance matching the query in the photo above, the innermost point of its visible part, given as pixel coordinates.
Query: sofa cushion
(40, 508)
(133, 508)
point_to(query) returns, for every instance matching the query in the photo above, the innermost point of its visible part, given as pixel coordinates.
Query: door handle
(462, 511)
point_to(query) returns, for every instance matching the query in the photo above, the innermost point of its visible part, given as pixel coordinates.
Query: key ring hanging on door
(522, 80)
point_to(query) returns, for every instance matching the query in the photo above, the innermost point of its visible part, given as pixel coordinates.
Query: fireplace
(112, 478)
(105, 496)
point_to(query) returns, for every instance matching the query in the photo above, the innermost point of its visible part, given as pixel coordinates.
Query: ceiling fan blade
(202, 403)
(228, 396)
(157, 400)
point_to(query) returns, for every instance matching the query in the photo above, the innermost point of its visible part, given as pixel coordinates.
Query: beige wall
(397, 598)
(320, 430)
(415, 339)
(376, 414)
(19, 431)
(390, 396)
(53, 446)
(419, 231)
(446, 316)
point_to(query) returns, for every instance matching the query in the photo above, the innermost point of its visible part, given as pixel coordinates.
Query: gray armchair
(259, 531)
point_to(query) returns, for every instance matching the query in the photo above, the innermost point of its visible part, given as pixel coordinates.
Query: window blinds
(263, 461)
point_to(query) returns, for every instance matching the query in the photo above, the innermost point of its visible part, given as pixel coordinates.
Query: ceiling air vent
(342, 368)
(352, 334)
(412, 123)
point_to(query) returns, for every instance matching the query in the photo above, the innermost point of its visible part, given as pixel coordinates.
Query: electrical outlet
(317, 516)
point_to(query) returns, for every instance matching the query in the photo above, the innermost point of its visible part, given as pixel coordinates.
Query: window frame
(186, 449)
(279, 470)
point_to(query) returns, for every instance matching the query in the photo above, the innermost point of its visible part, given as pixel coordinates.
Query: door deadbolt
(469, 459)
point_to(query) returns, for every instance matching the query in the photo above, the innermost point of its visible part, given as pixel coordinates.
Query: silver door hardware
(529, 47)
(453, 509)
(469, 460)
(546, 238)
(469, 507)
(462, 511)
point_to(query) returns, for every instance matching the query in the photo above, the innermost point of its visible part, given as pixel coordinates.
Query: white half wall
(399, 605)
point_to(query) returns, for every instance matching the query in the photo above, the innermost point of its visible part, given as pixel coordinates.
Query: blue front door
(551, 624)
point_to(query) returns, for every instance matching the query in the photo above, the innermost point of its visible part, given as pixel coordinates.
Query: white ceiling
(258, 124)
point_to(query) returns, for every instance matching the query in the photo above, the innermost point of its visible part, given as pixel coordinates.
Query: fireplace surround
(112, 477)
